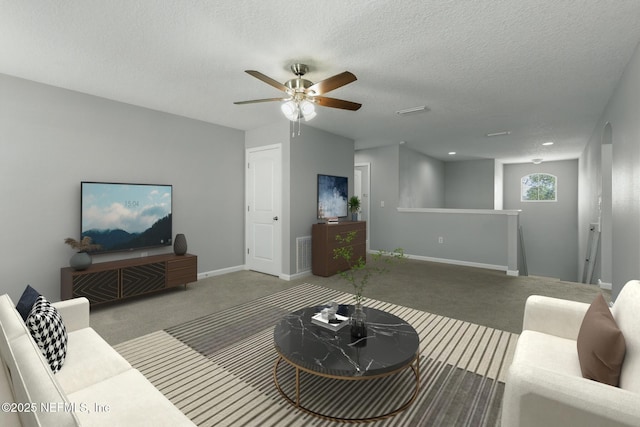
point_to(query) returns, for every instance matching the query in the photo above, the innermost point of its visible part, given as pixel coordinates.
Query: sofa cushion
(48, 331)
(26, 301)
(625, 311)
(601, 345)
(33, 382)
(7, 418)
(10, 319)
(128, 399)
(548, 352)
(89, 360)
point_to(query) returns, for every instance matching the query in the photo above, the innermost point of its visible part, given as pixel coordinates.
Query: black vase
(358, 322)
(180, 244)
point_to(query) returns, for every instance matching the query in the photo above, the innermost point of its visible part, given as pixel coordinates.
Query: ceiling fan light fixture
(307, 109)
(302, 94)
(295, 110)
(290, 110)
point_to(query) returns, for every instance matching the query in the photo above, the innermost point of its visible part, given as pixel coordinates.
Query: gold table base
(414, 365)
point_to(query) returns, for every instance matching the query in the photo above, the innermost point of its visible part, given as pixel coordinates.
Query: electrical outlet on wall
(440, 239)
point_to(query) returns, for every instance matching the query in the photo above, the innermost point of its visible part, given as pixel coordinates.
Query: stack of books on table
(339, 323)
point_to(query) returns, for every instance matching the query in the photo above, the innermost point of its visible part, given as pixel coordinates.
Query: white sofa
(545, 387)
(95, 386)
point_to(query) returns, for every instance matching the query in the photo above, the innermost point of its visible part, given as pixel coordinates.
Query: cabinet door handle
(275, 218)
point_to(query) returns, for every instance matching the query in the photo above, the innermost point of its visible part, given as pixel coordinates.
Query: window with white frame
(538, 187)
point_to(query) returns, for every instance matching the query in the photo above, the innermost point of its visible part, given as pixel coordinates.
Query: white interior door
(362, 188)
(264, 206)
(357, 184)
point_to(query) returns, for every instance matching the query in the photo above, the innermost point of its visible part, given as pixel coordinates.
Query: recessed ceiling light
(536, 161)
(451, 153)
(548, 143)
(504, 132)
(412, 110)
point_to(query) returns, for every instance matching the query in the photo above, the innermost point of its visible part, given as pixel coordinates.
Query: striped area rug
(218, 369)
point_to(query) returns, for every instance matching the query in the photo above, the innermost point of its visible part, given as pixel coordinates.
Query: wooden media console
(115, 280)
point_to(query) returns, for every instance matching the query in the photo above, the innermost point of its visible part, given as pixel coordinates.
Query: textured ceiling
(543, 70)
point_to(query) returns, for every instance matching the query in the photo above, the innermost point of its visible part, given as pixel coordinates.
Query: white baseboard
(604, 285)
(220, 272)
(463, 263)
(287, 277)
(290, 277)
(295, 276)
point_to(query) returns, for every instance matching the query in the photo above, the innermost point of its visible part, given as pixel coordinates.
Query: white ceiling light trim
(504, 132)
(411, 110)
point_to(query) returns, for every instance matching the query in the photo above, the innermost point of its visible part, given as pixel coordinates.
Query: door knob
(275, 218)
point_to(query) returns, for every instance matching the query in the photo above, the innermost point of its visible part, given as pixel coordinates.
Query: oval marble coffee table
(391, 346)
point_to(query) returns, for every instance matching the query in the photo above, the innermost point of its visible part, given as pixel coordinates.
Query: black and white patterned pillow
(48, 331)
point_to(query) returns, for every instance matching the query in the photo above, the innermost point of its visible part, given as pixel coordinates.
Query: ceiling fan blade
(336, 103)
(255, 101)
(268, 80)
(331, 83)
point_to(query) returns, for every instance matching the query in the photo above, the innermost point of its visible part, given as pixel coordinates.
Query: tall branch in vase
(359, 272)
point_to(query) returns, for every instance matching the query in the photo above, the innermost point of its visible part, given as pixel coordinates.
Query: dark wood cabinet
(323, 242)
(114, 280)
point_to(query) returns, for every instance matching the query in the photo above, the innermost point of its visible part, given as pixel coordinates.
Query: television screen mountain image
(121, 217)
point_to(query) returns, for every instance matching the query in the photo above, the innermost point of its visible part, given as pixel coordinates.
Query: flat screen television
(125, 217)
(333, 193)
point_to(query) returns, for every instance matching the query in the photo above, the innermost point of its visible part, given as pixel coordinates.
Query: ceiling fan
(302, 94)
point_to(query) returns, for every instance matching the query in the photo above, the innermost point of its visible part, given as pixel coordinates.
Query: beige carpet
(229, 380)
(484, 297)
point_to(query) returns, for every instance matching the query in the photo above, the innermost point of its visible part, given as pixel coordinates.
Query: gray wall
(422, 180)
(469, 238)
(51, 139)
(498, 185)
(425, 182)
(550, 229)
(313, 152)
(469, 184)
(384, 190)
(622, 114)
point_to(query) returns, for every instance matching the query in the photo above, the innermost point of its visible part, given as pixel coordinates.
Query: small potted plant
(354, 207)
(81, 260)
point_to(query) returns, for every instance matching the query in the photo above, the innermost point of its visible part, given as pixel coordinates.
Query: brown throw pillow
(601, 346)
